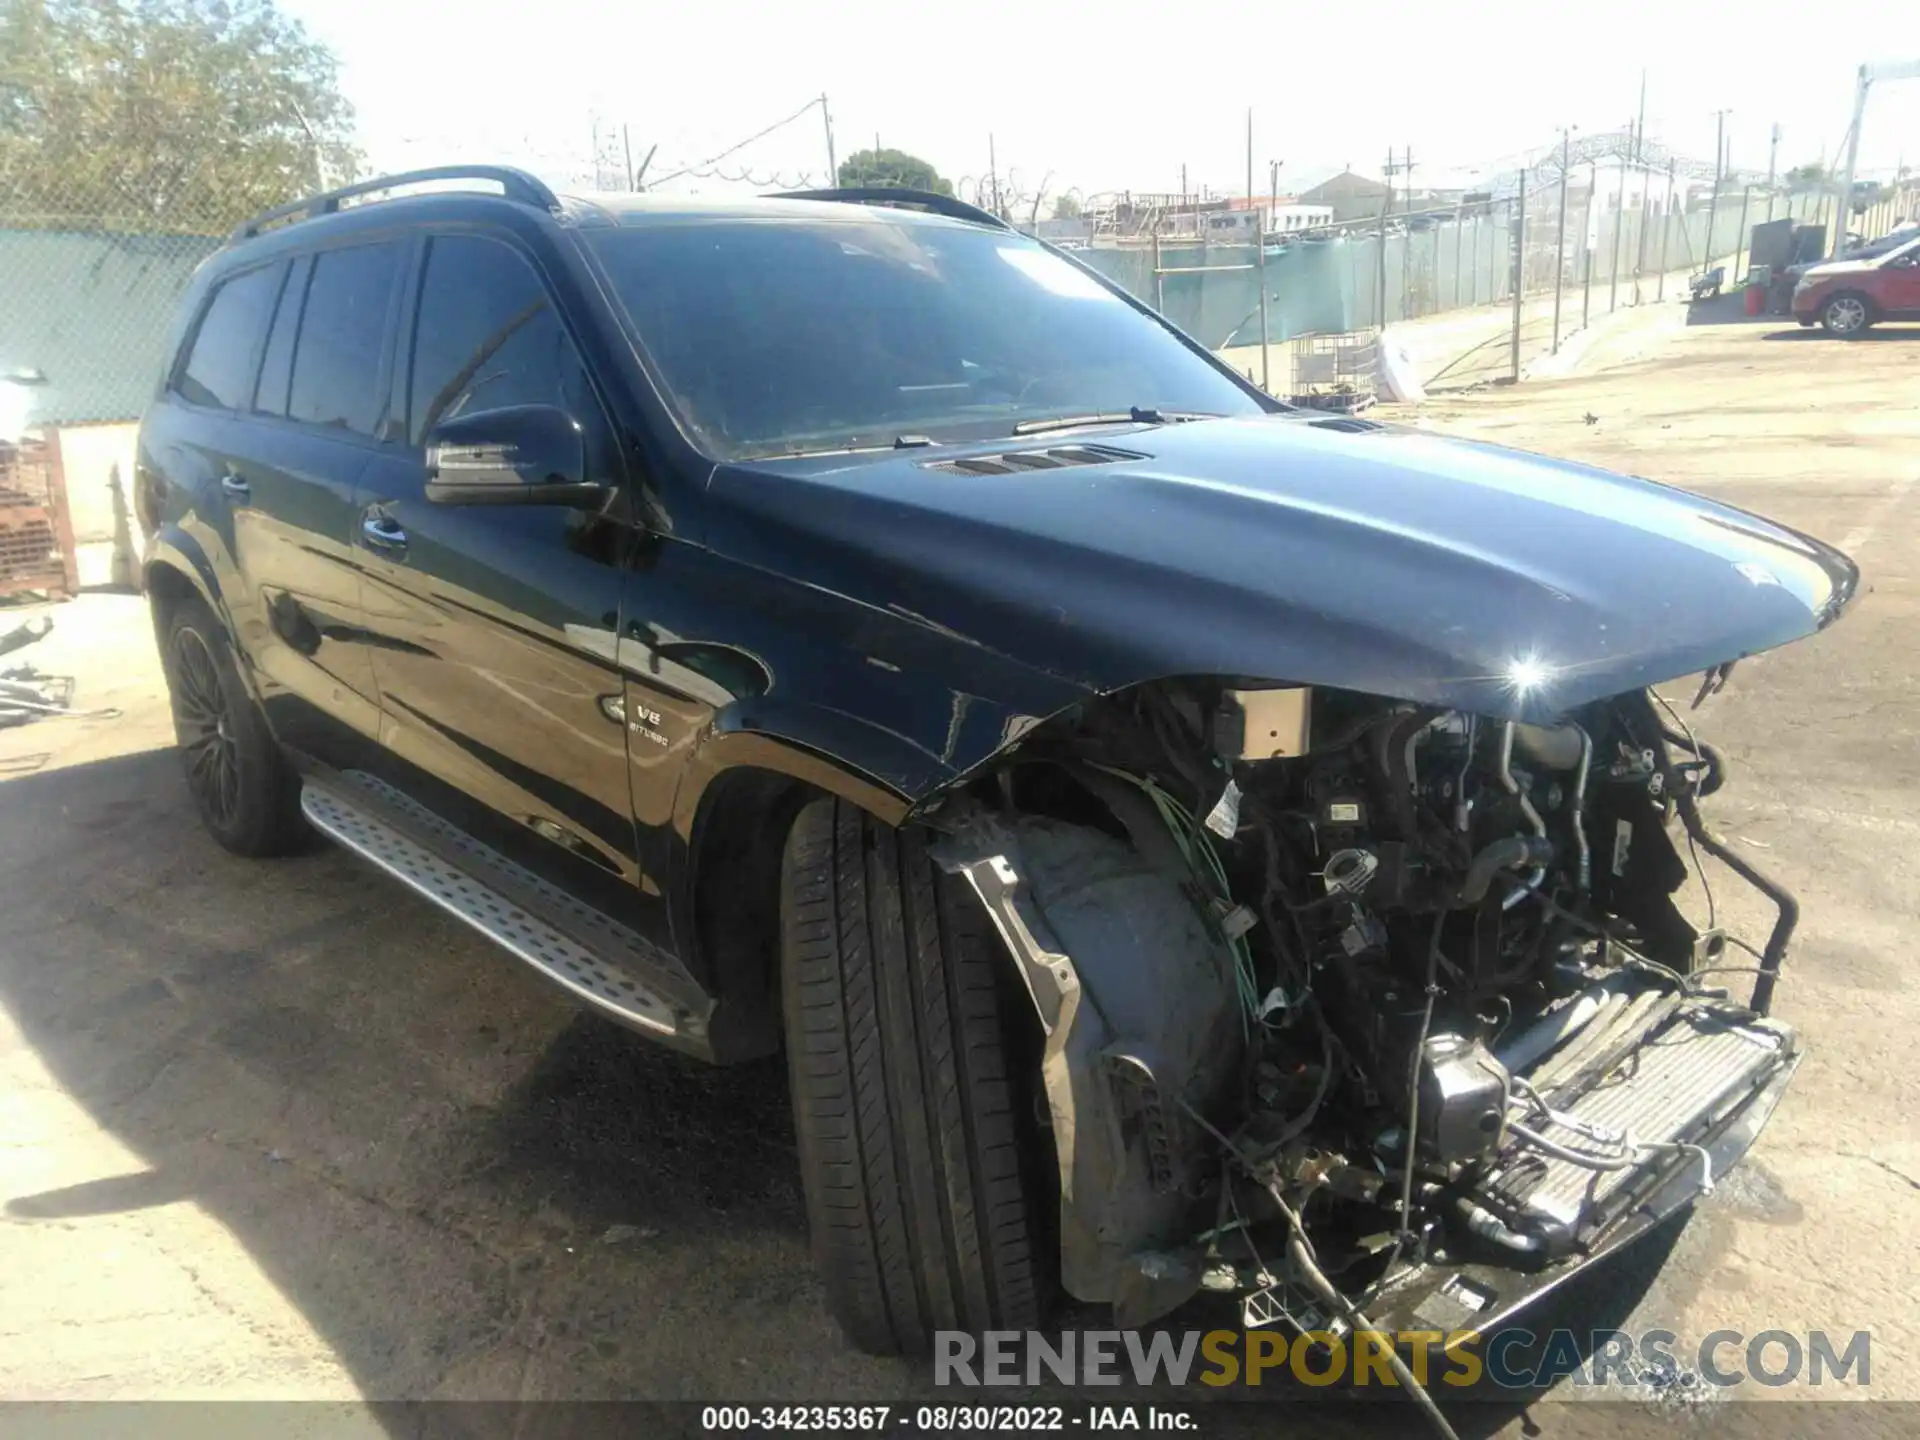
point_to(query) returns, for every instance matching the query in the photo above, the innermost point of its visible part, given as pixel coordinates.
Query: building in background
(1348, 196)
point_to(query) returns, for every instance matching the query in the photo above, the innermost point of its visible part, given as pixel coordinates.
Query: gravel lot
(282, 1131)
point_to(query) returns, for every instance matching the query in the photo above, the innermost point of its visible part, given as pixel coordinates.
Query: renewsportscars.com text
(1512, 1359)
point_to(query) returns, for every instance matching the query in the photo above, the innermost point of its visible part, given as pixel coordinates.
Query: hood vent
(1347, 425)
(1012, 462)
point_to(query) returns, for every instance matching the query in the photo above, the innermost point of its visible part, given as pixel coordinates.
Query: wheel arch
(175, 569)
(733, 813)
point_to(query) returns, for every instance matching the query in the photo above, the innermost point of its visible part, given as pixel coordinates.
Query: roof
(90, 310)
(1345, 183)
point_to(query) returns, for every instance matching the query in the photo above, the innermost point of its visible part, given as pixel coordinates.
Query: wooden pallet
(36, 531)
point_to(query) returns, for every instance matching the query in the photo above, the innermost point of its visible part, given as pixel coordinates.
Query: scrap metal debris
(26, 694)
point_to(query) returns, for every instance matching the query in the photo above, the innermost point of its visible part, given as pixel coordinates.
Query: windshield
(1885, 245)
(782, 336)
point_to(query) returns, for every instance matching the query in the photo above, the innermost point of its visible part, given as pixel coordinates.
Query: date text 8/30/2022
(938, 1419)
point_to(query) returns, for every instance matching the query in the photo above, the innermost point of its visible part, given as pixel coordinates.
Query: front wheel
(247, 794)
(1846, 316)
(912, 1090)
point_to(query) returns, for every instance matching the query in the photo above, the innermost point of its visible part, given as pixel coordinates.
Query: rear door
(495, 626)
(317, 416)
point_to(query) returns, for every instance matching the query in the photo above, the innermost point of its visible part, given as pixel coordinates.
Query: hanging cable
(734, 149)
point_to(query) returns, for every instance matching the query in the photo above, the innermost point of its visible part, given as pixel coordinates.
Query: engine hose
(1512, 787)
(1507, 853)
(1583, 876)
(1301, 1251)
(1494, 1230)
(1571, 1156)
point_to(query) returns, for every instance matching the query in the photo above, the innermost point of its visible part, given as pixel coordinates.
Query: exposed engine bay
(1351, 1004)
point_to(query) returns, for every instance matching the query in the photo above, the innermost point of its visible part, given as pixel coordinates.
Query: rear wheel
(911, 1090)
(247, 794)
(1846, 315)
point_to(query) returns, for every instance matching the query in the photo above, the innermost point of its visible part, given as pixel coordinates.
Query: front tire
(247, 794)
(909, 1090)
(1846, 315)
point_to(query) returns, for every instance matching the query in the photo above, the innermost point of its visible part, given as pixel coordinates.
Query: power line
(708, 164)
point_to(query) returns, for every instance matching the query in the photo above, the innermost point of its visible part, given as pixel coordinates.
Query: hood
(1822, 269)
(1321, 551)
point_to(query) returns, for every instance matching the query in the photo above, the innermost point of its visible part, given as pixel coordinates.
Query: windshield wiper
(1137, 415)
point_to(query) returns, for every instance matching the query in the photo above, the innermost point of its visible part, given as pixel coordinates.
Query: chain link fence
(89, 279)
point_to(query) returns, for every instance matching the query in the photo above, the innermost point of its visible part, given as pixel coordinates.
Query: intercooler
(1670, 1092)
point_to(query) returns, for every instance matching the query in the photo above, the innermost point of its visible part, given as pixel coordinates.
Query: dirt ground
(283, 1131)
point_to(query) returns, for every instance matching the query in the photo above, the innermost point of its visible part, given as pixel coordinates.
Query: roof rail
(514, 184)
(901, 198)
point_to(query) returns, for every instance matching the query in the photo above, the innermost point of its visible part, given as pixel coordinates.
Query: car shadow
(1727, 308)
(1877, 335)
(462, 1182)
(467, 1188)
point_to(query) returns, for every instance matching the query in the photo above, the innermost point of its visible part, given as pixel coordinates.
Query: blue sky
(1106, 96)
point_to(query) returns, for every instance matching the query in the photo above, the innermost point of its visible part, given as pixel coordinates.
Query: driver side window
(486, 337)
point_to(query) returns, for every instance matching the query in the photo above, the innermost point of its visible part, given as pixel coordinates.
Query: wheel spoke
(200, 716)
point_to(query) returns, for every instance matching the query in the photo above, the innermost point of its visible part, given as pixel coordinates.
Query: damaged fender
(1137, 999)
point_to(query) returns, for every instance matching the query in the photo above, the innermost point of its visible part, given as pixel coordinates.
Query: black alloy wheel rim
(206, 732)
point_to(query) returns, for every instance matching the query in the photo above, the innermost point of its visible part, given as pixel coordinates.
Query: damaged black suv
(1163, 827)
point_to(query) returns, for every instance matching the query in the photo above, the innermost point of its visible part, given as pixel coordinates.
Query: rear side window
(219, 368)
(336, 360)
(487, 338)
(276, 366)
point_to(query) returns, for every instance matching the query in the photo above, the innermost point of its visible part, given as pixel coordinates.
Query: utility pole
(626, 148)
(1740, 235)
(1666, 233)
(993, 169)
(1259, 251)
(1773, 155)
(1846, 173)
(1560, 241)
(1406, 243)
(1719, 165)
(826, 119)
(1249, 157)
(1640, 125)
(1519, 277)
(1640, 241)
(1619, 225)
(1386, 206)
(1589, 242)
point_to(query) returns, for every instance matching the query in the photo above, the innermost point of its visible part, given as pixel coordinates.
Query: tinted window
(276, 366)
(789, 335)
(336, 361)
(219, 368)
(486, 337)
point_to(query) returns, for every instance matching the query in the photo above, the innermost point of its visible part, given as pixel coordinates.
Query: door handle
(383, 531)
(235, 487)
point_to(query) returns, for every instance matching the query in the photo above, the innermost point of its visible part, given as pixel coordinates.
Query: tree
(1807, 177)
(892, 169)
(182, 116)
(1067, 207)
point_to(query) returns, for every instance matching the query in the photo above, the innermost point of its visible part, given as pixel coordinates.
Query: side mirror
(516, 455)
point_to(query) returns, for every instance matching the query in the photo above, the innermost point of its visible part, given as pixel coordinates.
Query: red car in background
(1846, 296)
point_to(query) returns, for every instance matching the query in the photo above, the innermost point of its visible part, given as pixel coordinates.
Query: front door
(494, 627)
(1900, 284)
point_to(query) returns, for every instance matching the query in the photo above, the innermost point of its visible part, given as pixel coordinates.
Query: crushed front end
(1381, 1015)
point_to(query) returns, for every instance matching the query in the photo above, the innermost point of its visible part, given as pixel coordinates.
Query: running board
(462, 891)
